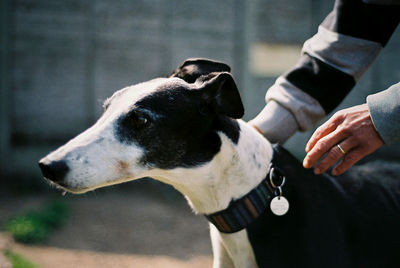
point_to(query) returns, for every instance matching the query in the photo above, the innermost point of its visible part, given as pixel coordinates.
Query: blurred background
(61, 59)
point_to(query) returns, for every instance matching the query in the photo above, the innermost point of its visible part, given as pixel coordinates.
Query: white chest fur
(233, 172)
(255, 153)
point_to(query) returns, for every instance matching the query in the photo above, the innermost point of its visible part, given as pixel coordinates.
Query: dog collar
(242, 212)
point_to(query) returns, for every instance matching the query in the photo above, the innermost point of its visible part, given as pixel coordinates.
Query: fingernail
(305, 163)
(317, 171)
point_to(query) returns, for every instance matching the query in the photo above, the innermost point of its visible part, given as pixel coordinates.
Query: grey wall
(61, 59)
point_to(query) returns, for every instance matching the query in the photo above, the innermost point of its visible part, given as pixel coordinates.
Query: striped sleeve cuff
(384, 108)
(345, 53)
(342, 50)
(326, 84)
(305, 109)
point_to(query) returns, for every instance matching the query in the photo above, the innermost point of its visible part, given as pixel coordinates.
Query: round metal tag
(279, 205)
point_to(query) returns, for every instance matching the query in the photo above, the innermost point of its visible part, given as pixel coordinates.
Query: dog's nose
(54, 170)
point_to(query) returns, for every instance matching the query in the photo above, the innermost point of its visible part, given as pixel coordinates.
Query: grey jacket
(332, 62)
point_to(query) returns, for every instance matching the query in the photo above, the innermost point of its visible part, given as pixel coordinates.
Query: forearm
(288, 110)
(332, 62)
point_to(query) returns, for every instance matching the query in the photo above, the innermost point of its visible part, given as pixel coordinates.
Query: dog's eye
(137, 120)
(141, 121)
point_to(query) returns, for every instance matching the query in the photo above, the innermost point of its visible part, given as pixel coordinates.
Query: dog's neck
(233, 172)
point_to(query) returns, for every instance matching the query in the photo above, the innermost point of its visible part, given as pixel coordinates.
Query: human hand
(352, 129)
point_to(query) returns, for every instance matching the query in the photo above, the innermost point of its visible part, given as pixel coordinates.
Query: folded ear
(191, 69)
(222, 96)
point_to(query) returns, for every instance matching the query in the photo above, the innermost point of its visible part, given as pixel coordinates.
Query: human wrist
(275, 123)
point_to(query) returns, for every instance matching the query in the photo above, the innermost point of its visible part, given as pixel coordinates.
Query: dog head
(164, 123)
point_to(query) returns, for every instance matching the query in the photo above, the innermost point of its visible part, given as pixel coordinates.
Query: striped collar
(242, 212)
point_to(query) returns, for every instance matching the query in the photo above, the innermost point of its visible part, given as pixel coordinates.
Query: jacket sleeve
(331, 63)
(384, 108)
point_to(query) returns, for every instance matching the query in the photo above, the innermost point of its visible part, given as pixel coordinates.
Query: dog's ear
(221, 95)
(191, 69)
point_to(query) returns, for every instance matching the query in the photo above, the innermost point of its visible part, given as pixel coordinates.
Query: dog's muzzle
(54, 171)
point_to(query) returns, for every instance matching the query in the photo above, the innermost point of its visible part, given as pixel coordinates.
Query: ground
(115, 227)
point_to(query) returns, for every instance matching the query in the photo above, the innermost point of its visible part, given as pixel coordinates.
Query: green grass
(18, 261)
(35, 226)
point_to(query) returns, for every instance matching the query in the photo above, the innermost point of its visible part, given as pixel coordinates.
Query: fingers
(348, 161)
(322, 146)
(352, 129)
(319, 133)
(335, 154)
(326, 128)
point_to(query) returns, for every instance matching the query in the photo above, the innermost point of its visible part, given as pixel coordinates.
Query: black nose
(54, 170)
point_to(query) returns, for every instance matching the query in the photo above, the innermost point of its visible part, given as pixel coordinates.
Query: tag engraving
(279, 205)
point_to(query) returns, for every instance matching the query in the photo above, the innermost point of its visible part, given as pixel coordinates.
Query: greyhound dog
(185, 130)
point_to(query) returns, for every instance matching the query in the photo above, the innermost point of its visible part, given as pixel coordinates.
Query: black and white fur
(183, 130)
